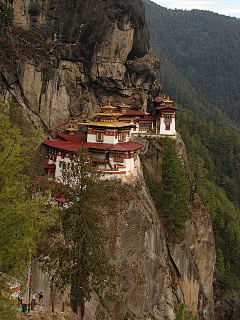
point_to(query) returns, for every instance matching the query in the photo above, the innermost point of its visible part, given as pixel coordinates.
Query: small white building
(165, 124)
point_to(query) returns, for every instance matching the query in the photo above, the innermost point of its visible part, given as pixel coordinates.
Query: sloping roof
(68, 137)
(159, 99)
(126, 146)
(166, 108)
(49, 166)
(150, 118)
(98, 145)
(61, 199)
(134, 113)
(66, 145)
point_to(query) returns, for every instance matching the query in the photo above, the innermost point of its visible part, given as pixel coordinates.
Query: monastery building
(108, 140)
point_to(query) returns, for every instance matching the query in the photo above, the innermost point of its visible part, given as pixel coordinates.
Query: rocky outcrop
(194, 257)
(158, 276)
(61, 59)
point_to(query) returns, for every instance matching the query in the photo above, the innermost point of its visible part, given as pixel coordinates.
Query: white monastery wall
(109, 139)
(91, 137)
(163, 130)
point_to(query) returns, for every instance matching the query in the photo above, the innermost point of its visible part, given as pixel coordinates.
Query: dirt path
(45, 313)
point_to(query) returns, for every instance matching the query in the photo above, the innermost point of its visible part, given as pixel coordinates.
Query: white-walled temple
(108, 139)
(165, 124)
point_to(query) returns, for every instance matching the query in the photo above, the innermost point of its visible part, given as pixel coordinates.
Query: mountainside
(61, 59)
(204, 47)
(199, 51)
(157, 277)
(64, 59)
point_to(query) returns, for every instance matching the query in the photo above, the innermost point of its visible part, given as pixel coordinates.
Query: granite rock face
(68, 58)
(158, 275)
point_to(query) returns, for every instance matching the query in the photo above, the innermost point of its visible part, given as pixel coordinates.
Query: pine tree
(220, 262)
(172, 194)
(174, 197)
(79, 257)
(19, 212)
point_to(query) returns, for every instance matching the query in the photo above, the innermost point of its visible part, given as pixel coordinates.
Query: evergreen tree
(172, 194)
(79, 258)
(182, 315)
(174, 198)
(220, 262)
(19, 212)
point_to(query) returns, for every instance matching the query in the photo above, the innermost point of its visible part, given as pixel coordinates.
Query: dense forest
(199, 53)
(204, 47)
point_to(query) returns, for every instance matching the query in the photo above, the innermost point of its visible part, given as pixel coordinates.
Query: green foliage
(220, 262)
(81, 229)
(172, 194)
(182, 315)
(128, 314)
(199, 54)
(8, 15)
(214, 156)
(204, 80)
(19, 211)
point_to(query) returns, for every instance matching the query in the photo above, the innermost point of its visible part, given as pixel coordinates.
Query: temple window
(167, 126)
(51, 173)
(122, 136)
(168, 118)
(99, 137)
(118, 157)
(144, 126)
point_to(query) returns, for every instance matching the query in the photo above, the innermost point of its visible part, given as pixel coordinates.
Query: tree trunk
(79, 311)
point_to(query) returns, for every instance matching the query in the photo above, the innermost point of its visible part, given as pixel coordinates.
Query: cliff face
(158, 277)
(67, 58)
(194, 258)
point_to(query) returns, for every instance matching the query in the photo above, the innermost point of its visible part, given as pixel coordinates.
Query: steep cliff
(158, 277)
(66, 58)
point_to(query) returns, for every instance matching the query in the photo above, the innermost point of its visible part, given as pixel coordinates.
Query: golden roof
(124, 105)
(108, 114)
(168, 101)
(114, 124)
(109, 107)
(72, 128)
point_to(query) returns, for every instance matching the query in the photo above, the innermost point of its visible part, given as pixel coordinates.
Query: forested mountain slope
(205, 49)
(199, 53)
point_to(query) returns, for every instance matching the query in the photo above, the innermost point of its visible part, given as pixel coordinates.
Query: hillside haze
(201, 48)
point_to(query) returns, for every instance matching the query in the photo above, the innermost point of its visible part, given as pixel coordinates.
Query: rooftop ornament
(72, 130)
